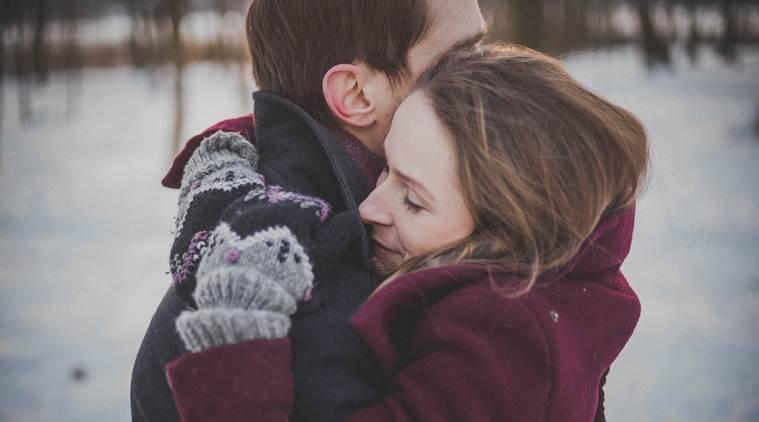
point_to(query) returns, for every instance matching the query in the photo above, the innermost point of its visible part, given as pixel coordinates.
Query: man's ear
(343, 87)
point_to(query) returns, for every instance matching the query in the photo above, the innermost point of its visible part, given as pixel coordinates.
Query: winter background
(89, 126)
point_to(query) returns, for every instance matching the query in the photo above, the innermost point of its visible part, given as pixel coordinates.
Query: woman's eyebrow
(419, 186)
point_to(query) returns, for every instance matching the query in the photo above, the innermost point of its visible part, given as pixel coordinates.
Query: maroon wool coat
(451, 348)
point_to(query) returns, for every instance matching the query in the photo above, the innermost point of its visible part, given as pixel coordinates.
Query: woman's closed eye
(411, 206)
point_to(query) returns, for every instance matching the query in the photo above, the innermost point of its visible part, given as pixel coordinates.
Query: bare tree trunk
(220, 7)
(655, 49)
(73, 62)
(39, 47)
(726, 45)
(694, 36)
(575, 30)
(135, 51)
(176, 12)
(178, 109)
(22, 75)
(528, 22)
(2, 79)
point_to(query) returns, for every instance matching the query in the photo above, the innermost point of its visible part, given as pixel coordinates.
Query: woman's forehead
(419, 146)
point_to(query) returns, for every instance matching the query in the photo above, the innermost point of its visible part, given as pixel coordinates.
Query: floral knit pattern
(247, 288)
(221, 191)
(276, 194)
(223, 162)
(183, 267)
(221, 169)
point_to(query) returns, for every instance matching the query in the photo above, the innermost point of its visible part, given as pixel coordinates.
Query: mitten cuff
(207, 328)
(219, 147)
(223, 161)
(243, 288)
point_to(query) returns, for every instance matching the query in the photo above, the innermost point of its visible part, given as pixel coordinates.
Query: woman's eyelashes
(410, 205)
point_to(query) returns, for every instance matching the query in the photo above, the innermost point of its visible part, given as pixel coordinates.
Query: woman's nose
(373, 211)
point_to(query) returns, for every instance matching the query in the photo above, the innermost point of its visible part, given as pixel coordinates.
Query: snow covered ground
(85, 232)
(694, 354)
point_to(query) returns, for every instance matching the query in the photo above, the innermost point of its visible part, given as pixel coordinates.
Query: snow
(696, 240)
(85, 233)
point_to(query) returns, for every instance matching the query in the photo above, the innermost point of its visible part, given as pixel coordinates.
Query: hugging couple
(410, 226)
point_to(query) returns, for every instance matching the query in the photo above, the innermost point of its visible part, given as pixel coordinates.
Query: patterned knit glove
(247, 288)
(223, 161)
(221, 169)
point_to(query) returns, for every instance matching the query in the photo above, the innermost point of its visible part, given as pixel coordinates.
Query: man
(348, 65)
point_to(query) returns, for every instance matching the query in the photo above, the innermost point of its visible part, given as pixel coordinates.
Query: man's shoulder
(244, 125)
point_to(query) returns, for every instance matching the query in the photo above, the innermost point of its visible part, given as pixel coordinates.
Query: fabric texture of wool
(315, 178)
(448, 347)
(247, 288)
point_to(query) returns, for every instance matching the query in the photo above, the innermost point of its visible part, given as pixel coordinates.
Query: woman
(500, 224)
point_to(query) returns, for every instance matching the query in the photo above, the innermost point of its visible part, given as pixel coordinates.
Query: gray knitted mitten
(222, 162)
(246, 288)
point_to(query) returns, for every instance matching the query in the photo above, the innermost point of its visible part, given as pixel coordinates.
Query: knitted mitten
(220, 170)
(220, 159)
(247, 275)
(246, 288)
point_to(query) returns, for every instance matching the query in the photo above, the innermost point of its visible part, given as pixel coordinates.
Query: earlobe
(343, 89)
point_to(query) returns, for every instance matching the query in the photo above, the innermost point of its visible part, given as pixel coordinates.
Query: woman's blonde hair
(541, 159)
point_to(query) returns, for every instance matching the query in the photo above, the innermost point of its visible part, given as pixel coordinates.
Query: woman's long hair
(541, 159)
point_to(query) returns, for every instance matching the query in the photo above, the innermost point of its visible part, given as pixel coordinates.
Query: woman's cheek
(413, 237)
(405, 238)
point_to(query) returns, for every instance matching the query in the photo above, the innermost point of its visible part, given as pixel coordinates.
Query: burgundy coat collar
(243, 125)
(599, 258)
(606, 248)
(604, 251)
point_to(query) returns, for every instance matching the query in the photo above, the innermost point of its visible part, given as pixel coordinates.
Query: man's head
(350, 63)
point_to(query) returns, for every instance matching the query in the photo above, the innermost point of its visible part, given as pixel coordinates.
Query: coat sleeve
(472, 369)
(476, 366)
(234, 383)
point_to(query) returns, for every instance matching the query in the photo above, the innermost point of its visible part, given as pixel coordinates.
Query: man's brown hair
(293, 43)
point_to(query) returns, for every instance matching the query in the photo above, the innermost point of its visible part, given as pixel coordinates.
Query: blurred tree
(72, 60)
(176, 10)
(18, 16)
(528, 22)
(220, 50)
(4, 21)
(655, 48)
(39, 36)
(41, 13)
(726, 44)
(141, 42)
(694, 36)
(575, 29)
